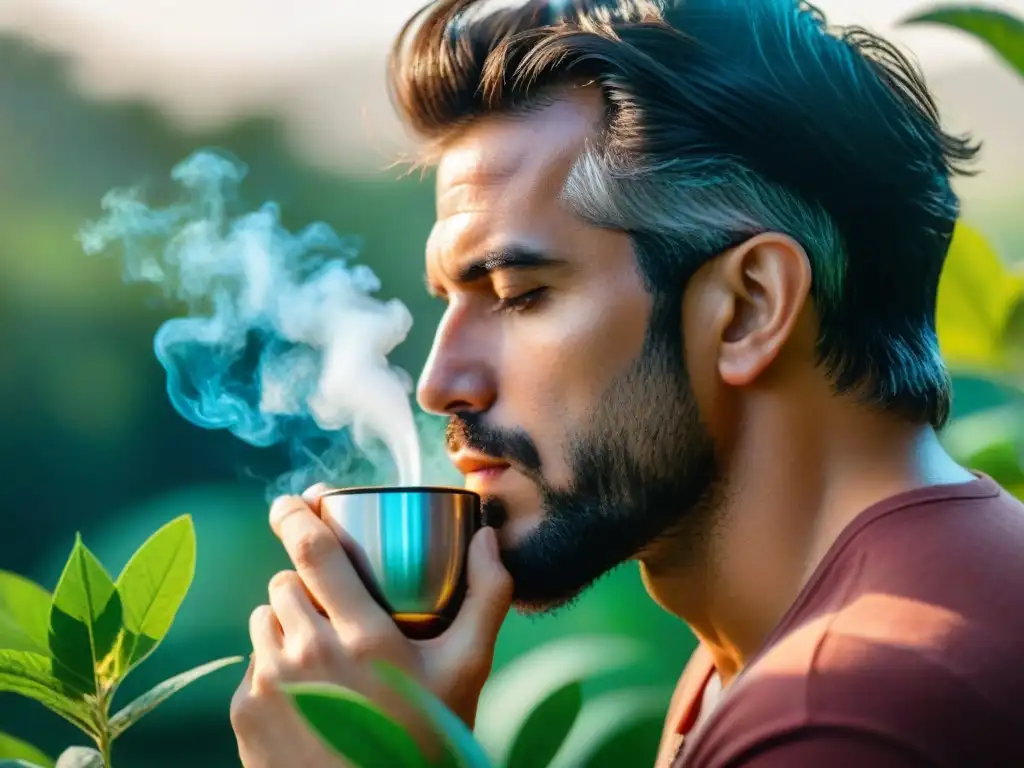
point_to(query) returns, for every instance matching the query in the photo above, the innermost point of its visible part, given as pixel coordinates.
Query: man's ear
(766, 281)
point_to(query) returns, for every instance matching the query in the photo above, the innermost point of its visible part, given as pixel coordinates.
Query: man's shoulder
(909, 641)
(846, 680)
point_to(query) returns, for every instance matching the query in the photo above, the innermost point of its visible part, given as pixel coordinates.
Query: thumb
(313, 494)
(488, 597)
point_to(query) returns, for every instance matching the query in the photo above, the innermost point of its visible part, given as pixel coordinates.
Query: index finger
(323, 565)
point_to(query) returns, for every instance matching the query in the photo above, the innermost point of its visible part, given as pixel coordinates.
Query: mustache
(514, 446)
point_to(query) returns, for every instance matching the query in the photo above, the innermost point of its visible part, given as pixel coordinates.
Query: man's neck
(788, 496)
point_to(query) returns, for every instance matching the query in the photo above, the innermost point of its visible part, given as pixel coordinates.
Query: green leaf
(85, 619)
(1003, 32)
(80, 757)
(152, 587)
(24, 614)
(16, 749)
(32, 675)
(978, 294)
(546, 728)
(355, 727)
(463, 750)
(538, 682)
(20, 764)
(1013, 343)
(24, 625)
(155, 696)
(625, 721)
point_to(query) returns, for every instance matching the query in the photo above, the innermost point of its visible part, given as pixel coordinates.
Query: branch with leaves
(71, 650)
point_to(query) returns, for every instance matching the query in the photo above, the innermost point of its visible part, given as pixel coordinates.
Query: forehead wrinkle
(485, 160)
(467, 197)
(476, 163)
(452, 243)
(533, 188)
(526, 190)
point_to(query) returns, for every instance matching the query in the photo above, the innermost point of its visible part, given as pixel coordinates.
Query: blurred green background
(89, 442)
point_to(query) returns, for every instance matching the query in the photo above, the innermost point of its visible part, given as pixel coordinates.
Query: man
(690, 256)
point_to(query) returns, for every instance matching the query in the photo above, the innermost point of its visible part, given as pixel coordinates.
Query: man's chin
(513, 532)
(537, 608)
(531, 605)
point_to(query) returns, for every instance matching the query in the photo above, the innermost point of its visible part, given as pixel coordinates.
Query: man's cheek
(551, 446)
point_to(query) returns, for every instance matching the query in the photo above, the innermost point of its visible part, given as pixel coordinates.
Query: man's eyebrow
(509, 257)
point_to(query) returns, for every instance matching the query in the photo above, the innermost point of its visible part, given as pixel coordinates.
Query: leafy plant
(614, 727)
(981, 296)
(369, 738)
(530, 707)
(71, 650)
(358, 730)
(528, 715)
(981, 332)
(1003, 32)
(979, 300)
(461, 749)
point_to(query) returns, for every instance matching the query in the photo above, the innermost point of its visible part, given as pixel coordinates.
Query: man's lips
(478, 466)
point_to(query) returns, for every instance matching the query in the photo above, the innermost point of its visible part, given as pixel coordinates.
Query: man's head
(649, 214)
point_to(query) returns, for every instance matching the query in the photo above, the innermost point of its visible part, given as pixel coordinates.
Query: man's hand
(322, 625)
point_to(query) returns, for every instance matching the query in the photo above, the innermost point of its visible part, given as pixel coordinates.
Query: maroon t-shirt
(906, 648)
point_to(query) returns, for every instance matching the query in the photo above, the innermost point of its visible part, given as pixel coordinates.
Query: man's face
(563, 377)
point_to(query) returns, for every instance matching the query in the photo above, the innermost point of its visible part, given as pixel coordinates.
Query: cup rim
(371, 489)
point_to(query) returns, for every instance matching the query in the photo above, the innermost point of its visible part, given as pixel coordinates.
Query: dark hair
(725, 119)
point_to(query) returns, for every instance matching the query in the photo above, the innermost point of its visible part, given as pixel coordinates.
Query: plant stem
(103, 736)
(105, 744)
(105, 741)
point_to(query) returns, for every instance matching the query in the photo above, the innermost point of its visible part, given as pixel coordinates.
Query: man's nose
(458, 375)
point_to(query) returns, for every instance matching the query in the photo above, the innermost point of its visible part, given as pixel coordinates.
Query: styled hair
(725, 119)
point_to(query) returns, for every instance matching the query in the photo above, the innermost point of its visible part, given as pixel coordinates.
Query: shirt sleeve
(832, 747)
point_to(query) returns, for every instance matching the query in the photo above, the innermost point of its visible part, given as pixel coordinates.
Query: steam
(283, 342)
